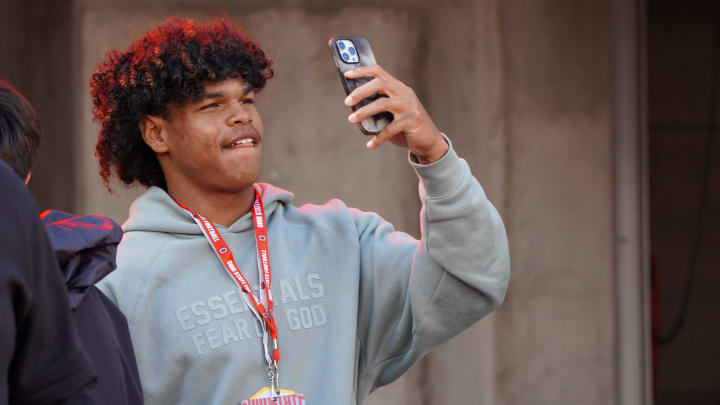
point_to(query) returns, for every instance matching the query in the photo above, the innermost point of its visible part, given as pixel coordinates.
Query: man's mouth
(242, 141)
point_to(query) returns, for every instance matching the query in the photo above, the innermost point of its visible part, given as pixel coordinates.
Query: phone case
(363, 56)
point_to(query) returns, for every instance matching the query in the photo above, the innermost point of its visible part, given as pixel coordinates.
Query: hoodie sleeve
(414, 295)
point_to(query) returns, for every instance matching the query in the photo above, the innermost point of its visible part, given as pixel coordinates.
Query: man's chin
(241, 183)
(242, 163)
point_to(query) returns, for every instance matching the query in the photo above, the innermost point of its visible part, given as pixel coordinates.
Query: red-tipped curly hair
(168, 65)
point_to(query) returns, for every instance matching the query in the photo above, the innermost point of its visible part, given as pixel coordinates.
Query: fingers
(381, 83)
(367, 71)
(396, 127)
(392, 105)
(411, 125)
(374, 86)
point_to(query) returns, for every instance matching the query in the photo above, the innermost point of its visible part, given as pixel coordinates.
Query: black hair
(19, 131)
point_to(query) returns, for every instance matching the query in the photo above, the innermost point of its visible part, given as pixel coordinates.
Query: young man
(350, 304)
(85, 249)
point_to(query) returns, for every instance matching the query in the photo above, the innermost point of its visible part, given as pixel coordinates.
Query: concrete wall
(12, 23)
(36, 57)
(555, 333)
(523, 90)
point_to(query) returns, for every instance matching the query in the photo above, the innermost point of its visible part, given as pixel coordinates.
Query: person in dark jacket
(41, 361)
(85, 249)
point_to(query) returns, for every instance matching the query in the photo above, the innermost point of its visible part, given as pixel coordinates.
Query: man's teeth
(242, 141)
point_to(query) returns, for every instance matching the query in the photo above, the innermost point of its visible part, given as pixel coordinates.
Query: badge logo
(265, 397)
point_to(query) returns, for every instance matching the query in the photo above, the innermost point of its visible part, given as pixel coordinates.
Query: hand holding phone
(350, 53)
(373, 92)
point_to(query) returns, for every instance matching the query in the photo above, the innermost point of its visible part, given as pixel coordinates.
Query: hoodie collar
(156, 211)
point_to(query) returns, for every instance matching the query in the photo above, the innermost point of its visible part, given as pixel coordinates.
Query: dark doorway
(684, 112)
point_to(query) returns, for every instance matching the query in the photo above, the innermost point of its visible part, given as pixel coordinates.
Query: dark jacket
(40, 357)
(85, 248)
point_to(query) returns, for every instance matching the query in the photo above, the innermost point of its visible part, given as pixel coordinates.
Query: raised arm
(415, 295)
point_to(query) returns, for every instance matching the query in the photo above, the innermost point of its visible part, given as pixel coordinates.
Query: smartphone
(349, 53)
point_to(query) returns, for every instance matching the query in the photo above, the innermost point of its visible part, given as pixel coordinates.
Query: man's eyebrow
(212, 94)
(248, 89)
(219, 94)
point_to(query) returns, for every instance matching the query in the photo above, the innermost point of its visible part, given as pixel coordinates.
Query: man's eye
(208, 106)
(247, 101)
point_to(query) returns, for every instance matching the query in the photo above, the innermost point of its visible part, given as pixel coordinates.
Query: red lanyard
(262, 311)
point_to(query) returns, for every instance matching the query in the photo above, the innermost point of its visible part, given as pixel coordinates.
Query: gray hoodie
(356, 302)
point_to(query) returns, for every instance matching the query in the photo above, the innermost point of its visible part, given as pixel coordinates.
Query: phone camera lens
(345, 57)
(351, 50)
(341, 45)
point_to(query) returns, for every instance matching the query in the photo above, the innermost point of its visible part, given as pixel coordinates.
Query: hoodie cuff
(441, 176)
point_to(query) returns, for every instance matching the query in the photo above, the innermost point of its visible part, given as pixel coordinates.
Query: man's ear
(153, 131)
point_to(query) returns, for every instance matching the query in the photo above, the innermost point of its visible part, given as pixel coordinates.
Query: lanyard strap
(263, 311)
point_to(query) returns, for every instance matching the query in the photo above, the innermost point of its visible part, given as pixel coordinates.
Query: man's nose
(241, 114)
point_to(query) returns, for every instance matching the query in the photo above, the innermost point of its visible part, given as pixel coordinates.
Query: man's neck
(221, 208)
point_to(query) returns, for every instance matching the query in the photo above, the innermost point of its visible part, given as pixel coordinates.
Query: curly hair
(168, 65)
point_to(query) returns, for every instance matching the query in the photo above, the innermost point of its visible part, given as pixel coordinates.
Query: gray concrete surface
(555, 332)
(35, 57)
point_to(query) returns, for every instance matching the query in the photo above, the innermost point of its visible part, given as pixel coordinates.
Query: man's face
(215, 143)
